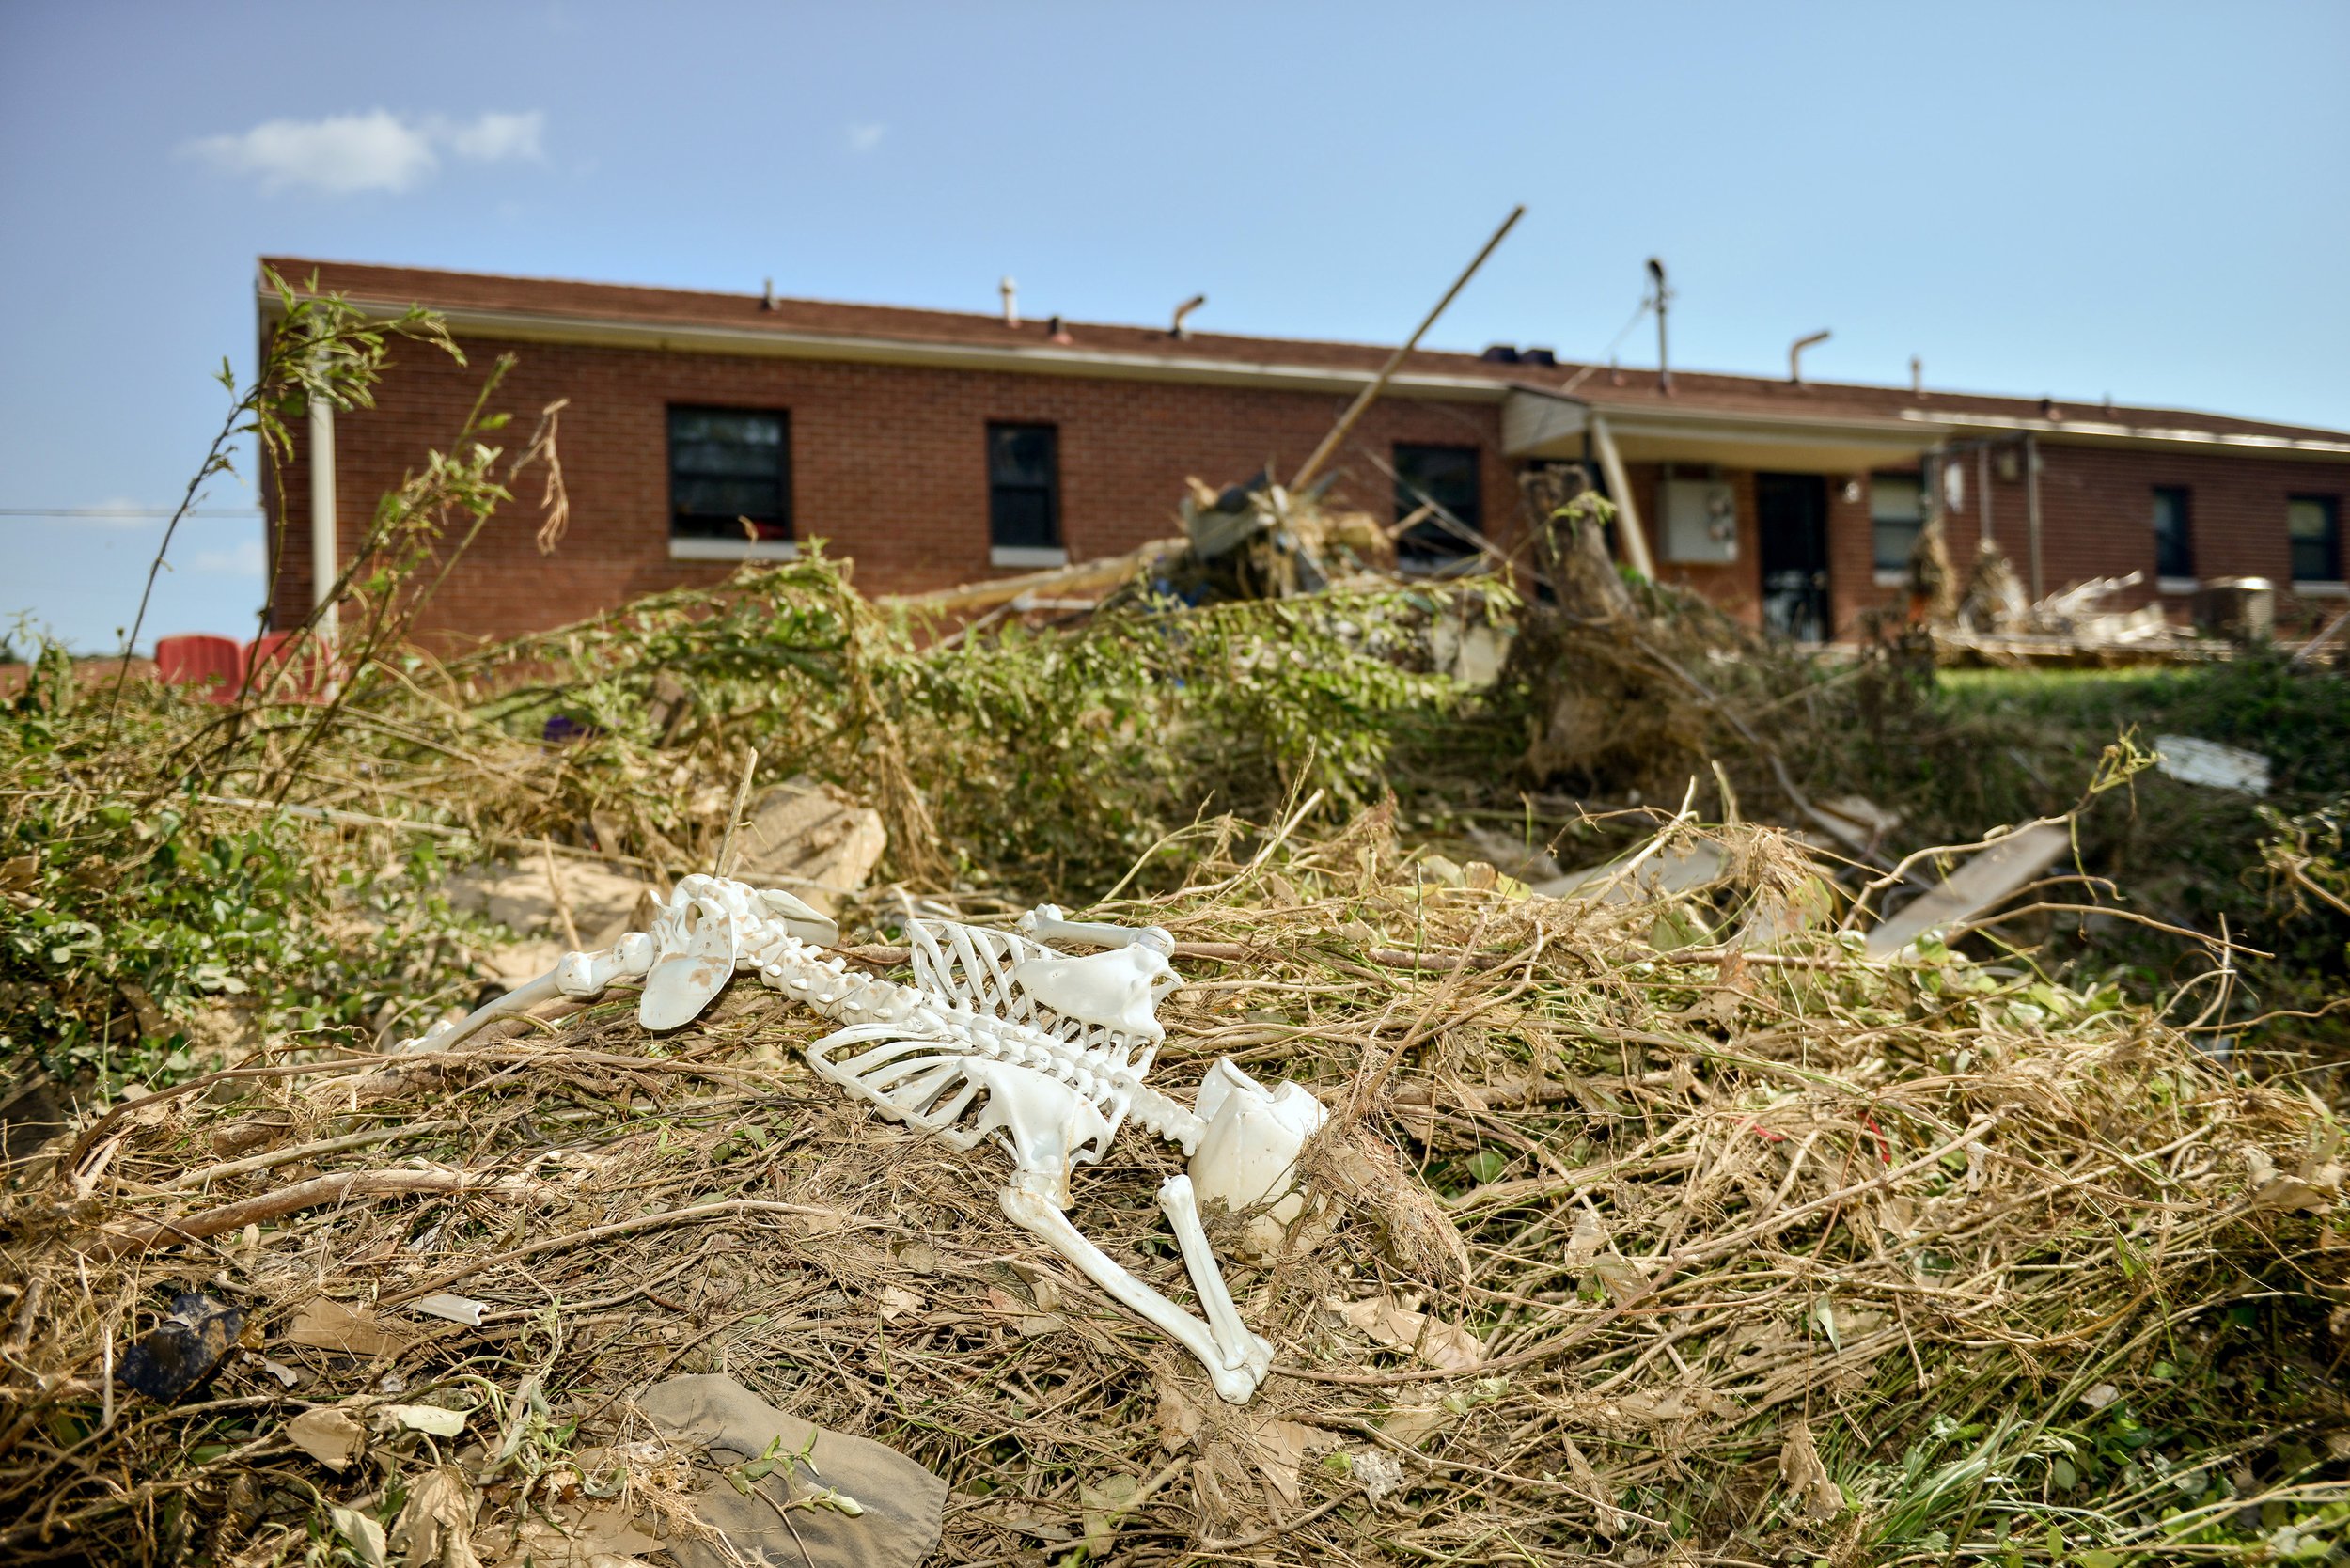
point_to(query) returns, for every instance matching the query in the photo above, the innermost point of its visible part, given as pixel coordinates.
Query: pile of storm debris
(1661, 1222)
(1753, 1191)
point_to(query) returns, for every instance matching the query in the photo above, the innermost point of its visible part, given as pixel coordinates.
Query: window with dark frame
(1448, 477)
(2313, 527)
(729, 466)
(1023, 487)
(1897, 514)
(2174, 536)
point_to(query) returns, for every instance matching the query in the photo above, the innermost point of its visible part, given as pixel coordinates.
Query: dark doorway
(1791, 514)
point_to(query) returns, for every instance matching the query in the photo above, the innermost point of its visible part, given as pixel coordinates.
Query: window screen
(727, 466)
(2314, 522)
(1897, 511)
(2174, 542)
(1024, 487)
(1447, 475)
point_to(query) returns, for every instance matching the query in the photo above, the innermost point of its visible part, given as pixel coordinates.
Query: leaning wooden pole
(1378, 382)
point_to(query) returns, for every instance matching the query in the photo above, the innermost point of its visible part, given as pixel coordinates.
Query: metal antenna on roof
(1664, 297)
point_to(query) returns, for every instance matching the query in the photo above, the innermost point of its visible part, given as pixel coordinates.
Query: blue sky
(2150, 201)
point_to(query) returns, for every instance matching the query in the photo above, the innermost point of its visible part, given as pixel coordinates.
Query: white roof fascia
(1667, 423)
(2147, 435)
(529, 326)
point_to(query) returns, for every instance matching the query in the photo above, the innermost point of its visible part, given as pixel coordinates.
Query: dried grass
(1759, 1255)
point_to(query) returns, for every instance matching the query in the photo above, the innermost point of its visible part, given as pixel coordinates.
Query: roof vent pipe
(767, 297)
(1794, 355)
(1010, 291)
(1177, 329)
(1917, 377)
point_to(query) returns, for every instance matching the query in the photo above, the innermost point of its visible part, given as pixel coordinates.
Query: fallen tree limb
(1085, 576)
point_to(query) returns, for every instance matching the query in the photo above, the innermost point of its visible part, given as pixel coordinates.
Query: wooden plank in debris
(1991, 874)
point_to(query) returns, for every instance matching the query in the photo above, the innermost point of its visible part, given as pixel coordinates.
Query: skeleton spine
(830, 987)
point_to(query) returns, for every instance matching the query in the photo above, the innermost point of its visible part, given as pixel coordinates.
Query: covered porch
(1784, 519)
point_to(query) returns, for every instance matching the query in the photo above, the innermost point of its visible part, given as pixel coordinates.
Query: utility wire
(1647, 304)
(126, 512)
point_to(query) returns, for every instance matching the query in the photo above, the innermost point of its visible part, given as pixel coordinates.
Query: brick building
(936, 449)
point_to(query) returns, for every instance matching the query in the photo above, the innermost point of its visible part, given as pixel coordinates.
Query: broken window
(729, 466)
(1897, 511)
(2313, 523)
(1445, 477)
(2174, 543)
(1023, 487)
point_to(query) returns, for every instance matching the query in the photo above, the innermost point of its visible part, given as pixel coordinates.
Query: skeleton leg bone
(1232, 1336)
(1034, 1213)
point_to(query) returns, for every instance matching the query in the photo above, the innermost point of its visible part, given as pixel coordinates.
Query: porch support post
(1629, 532)
(2032, 510)
(324, 567)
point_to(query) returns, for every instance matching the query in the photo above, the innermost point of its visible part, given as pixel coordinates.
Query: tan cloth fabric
(903, 1501)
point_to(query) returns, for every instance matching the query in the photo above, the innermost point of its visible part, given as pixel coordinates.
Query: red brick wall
(2096, 512)
(888, 465)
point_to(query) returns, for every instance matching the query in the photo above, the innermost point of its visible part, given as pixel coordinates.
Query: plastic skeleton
(999, 1035)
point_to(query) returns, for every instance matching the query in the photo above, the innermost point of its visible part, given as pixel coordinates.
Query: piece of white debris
(1378, 1471)
(2223, 767)
(456, 1308)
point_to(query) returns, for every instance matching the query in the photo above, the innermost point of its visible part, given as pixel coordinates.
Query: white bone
(1114, 989)
(999, 1036)
(1239, 1347)
(1034, 1213)
(581, 976)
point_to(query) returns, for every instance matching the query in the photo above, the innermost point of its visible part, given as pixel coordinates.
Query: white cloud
(246, 558)
(864, 138)
(379, 150)
(494, 136)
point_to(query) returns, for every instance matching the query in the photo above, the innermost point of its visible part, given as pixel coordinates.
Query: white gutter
(1040, 359)
(2098, 430)
(323, 569)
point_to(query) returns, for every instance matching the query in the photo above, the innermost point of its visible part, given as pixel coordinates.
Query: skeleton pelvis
(696, 941)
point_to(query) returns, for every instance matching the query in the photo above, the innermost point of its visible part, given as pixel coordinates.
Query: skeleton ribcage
(966, 1003)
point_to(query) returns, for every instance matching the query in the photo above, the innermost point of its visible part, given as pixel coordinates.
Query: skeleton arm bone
(1048, 924)
(579, 975)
